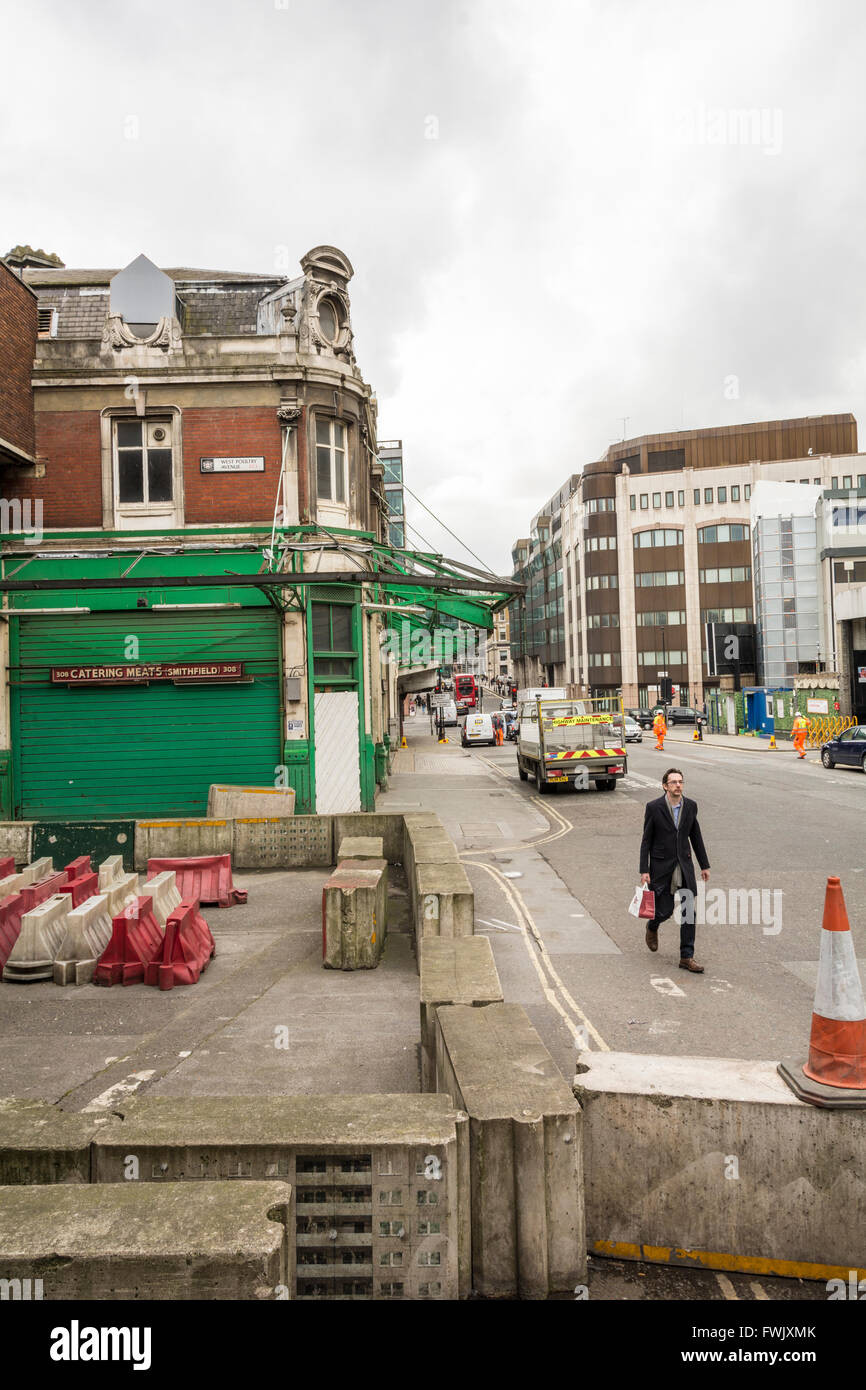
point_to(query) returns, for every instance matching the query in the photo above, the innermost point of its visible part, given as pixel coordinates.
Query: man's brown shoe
(693, 966)
(652, 939)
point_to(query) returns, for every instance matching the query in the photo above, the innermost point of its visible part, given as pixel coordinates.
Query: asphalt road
(770, 822)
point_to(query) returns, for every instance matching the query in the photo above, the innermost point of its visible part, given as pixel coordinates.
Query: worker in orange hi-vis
(660, 728)
(800, 729)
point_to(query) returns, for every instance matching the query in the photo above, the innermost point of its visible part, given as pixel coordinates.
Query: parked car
(477, 728)
(643, 717)
(848, 750)
(680, 714)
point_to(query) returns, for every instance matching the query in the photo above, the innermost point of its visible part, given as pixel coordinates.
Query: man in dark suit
(666, 866)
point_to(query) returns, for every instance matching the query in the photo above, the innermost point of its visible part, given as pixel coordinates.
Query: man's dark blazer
(664, 844)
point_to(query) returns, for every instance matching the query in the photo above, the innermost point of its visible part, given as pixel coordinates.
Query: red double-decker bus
(465, 692)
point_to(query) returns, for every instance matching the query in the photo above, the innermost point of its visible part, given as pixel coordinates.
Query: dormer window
(46, 322)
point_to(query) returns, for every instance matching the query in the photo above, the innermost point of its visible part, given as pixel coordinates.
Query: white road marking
(727, 1287)
(759, 1292)
(119, 1091)
(528, 927)
(719, 986)
(500, 926)
(661, 1026)
(666, 986)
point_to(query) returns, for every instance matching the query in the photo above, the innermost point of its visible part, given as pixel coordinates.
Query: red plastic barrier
(186, 950)
(206, 879)
(135, 940)
(81, 888)
(78, 867)
(36, 893)
(7, 866)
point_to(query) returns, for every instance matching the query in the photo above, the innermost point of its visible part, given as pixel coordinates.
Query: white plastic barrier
(121, 893)
(40, 868)
(163, 889)
(110, 870)
(88, 932)
(42, 931)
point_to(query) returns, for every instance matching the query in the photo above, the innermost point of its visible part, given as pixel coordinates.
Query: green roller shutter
(149, 750)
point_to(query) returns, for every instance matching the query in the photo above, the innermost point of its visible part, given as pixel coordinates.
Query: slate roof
(67, 276)
(213, 302)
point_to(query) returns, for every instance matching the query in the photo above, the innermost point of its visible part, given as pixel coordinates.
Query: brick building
(194, 439)
(198, 572)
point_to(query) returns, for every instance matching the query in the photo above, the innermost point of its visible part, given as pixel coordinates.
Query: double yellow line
(552, 985)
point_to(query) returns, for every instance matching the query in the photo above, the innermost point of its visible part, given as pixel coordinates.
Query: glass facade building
(390, 453)
(786, 579)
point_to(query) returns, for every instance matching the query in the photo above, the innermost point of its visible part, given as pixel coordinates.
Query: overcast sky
(559, 215)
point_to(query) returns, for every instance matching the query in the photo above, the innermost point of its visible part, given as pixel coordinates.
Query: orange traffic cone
(771, 746)
(835, 1071)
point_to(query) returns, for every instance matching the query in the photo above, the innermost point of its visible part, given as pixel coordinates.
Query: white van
(449, 712)
(478, 728)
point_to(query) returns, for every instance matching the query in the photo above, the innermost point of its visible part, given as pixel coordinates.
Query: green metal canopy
(234, 572)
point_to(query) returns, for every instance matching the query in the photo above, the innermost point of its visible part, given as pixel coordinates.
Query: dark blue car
(848, 750)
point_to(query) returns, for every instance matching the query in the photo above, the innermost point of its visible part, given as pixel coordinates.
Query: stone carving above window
(117, 335)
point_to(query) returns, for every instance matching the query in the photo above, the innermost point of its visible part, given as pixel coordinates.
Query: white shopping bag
(634, 905)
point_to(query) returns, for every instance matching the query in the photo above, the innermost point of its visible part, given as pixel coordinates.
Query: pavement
(264, 1019)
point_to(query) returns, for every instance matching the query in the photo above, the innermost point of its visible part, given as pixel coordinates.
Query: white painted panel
(338, 764)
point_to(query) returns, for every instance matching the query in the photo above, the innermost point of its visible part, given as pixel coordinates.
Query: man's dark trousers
(663, 847)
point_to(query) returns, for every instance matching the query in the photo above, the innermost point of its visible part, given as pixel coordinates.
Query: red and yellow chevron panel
(587, 753)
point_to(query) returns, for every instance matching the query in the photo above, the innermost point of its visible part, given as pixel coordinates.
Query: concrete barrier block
(460, 971)
(121, 893)
(444, 901)
(88, 932)
(353, 911)
(179, 839)
(381, 865)
(360, 847)
(525, 1151)
(394, 1160)
(237, 803)
(283, 842)
(16, 838)
(41, 1144)
(388, 826)
(136, 1241)
(110, 870)
(714, 1161)
(162, 889)
(42, 932)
